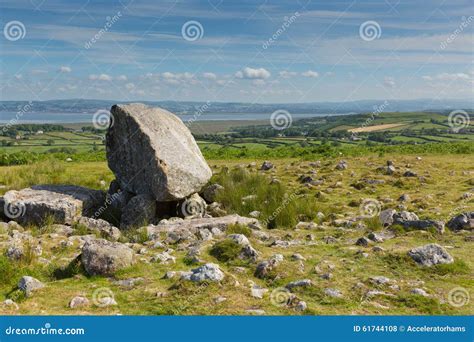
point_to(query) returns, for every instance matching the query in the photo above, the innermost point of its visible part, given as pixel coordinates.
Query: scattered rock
(207, 272)
(210, 192)
(266, 166)
(104, 228)
(257, 291)
(102, 257)
(419, 292)
(335, 293)
(462, 221)
(342, 165)
(301, 306)
(363, 241)
(299, 283)
(78, 301)
(431, 254)
(29, 284)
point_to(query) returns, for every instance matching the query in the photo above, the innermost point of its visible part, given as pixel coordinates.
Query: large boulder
(64, 203)
(102, 257)
(431, 254)
(152, 152)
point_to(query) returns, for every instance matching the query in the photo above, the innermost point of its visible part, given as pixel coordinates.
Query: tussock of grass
(239, 229)
(225, 250)
(279, 206)
(457, 267)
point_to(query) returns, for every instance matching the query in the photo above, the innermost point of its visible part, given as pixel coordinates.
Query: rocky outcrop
(64, 203)
(139, 211)
(152, 152)
(193, 226)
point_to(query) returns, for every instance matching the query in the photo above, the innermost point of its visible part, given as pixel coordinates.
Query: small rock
(299, 283)
(266, 166)
(78, 301)
(431, 254)
(29, 284)
(420, 292)
(207, 272)
(335, 293)
(301, 306)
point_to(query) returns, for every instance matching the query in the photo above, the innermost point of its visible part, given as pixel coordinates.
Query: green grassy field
(439, 197)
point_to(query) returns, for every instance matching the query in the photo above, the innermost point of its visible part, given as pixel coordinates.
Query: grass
(440, 200)
(225, 250)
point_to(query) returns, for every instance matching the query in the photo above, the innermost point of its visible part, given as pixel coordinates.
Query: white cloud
(101, 77)
(310, 73)
(65, 69)
(460, 76)
(258, 82)
(389, 82)
(209, 76)
(122, 78)
(130, 86)
(287, 74)
(250, 73)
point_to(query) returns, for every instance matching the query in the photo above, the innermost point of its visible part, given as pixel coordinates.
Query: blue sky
(318, 52)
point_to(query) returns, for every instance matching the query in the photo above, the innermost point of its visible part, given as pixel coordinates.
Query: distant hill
(183, 107)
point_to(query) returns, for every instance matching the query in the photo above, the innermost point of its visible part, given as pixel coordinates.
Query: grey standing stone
(152, 152)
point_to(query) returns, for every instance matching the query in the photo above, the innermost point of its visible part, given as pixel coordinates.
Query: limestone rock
(140, 210)
(29, 284)
(102, 257)
(152, 152)
(65, 203)
(462, 221)
(431, 254)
